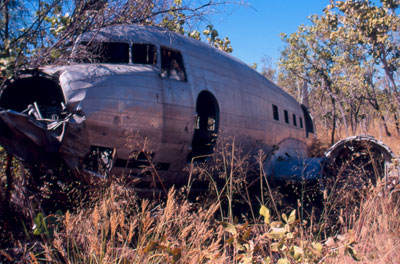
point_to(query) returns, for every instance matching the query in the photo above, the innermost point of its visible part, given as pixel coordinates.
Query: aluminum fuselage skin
(122, 103)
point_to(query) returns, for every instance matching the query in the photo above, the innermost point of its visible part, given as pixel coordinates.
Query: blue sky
(254, 31)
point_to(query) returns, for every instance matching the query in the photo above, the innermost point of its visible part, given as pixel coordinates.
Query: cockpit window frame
(174, 69)
(155, 49)
(87, 59)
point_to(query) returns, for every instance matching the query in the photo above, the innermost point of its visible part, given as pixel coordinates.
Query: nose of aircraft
(32, 115)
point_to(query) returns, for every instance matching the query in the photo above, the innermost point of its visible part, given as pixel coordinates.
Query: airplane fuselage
(161, 92)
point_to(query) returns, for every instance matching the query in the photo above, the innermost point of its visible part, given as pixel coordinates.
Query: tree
(45, 30)
(375, 29)
(340, 55)
(310, 56)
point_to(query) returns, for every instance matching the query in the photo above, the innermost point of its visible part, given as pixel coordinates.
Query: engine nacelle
(363, 157)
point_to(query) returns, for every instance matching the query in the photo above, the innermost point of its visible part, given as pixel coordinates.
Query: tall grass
(239, 219)
(373, 236)
(122, 229)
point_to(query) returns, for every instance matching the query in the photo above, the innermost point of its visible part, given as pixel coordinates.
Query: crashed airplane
(178, 93)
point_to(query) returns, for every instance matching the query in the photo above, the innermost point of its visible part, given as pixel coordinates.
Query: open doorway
(206, 127)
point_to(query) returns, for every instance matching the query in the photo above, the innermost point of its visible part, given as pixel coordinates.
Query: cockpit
(116, 52)
(172, 66)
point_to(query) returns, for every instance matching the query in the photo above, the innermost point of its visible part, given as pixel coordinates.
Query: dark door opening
(308, 120)
(206, 127)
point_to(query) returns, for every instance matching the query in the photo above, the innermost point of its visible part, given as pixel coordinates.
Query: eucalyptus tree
(310, 55)
(374, 29)
(340, 55)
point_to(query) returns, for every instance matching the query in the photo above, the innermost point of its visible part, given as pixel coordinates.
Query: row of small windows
(275, 112)
(118, 53)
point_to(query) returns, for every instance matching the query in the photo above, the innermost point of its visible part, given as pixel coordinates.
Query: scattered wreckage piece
(361, 156)
(361, 160)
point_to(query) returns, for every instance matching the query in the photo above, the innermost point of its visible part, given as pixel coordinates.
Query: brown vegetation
(232, 222)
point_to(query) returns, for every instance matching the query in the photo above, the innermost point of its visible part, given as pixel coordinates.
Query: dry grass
(117, 226)
(122, 229)
(374, 235)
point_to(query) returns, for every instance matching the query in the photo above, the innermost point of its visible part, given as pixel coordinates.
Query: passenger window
(294, 120)
(104, 52)
(172, 65)
(286, 116)
(144, 54)
(275, 112)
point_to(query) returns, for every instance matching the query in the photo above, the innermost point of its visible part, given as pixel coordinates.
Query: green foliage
(176, 21)
(264, 211)
(340, 55)
(40, 226)
(283, 239)
(214, 40)
(46, 225)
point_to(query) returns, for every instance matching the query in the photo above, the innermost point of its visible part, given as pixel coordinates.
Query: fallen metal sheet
(28, 138)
